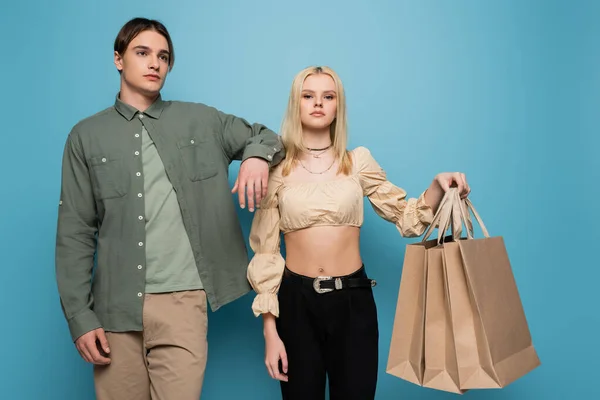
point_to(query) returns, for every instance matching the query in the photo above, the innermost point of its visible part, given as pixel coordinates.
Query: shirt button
(140, 294)
(137, 153)
(192, 141)
(270, 157)
(141, 116)
(140, 244)
(137, 135)
(139, 267)
(140, 217)
(103, 159)
(138, 174)
(139, 195)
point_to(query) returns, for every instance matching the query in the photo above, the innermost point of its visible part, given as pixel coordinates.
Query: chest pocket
(108, 177)
(199, 158)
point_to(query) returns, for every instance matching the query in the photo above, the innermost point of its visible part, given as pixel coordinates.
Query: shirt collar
(129, 111)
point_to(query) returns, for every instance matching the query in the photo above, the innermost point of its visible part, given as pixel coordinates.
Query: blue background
(506, 91)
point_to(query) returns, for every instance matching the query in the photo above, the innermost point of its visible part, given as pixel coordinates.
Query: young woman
(319, 313)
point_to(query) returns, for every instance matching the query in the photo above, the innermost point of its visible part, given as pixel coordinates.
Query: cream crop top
(297, 205)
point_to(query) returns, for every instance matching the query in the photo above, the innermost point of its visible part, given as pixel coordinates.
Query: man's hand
(89, 346)
(252, 180)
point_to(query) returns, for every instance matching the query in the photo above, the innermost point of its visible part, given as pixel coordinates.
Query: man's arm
(76, 240)
(258, 148)
(242, 140)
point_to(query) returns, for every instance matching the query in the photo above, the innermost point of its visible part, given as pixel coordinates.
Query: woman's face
(318, 105)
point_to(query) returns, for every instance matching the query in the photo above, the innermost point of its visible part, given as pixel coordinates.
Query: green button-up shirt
(100, 246)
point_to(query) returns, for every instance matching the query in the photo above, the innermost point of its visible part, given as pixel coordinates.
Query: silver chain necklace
(317, 173)
(317, 153)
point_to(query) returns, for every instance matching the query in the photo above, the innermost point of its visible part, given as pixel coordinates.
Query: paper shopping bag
(493, 342)
(441, 368)
(406, 355)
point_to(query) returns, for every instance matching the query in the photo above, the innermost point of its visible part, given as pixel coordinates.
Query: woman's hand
(446, 180)
(275, 351)
(440, 185)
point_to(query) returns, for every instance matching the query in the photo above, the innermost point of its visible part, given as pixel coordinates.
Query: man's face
(145, 64)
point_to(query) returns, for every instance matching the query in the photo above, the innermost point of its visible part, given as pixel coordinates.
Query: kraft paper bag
(441, 367)
(491, 334)
(406, 356)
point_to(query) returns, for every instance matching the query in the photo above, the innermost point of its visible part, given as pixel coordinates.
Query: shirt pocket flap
(199, 157)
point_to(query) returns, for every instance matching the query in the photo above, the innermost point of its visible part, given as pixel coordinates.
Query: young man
(145, 196)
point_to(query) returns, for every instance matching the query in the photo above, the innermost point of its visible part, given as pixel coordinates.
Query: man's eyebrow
(142, 47)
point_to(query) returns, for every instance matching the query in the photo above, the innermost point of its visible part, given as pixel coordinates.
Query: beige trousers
(164, 362)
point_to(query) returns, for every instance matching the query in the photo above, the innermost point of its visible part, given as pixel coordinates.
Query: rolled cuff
(271, 155)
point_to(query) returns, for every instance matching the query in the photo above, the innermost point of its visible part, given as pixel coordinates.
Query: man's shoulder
(189, 106)
(95, 121)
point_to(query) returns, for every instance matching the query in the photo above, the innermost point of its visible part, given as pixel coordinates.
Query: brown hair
(138, 25)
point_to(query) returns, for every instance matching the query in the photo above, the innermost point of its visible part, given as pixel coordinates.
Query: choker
(323, 149)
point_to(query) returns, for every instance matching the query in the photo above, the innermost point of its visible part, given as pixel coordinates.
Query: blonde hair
(291, 128)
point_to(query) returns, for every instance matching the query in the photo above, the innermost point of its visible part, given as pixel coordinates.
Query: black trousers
(332, 334)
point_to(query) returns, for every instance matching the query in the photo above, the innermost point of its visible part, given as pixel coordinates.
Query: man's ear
(118, 61)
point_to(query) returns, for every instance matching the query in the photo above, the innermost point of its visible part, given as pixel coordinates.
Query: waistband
(324, 284)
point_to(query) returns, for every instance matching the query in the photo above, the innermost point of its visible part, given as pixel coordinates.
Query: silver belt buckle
(317, 284)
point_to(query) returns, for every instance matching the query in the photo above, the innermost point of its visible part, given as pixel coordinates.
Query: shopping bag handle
(454, 212)
(469, 206)
(461, 215)
(452, 217)
(441, 218)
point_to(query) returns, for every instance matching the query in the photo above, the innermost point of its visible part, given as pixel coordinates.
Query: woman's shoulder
(360, 150)
(360, 154)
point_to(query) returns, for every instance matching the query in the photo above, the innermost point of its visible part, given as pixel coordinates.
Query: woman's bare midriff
(323, 251)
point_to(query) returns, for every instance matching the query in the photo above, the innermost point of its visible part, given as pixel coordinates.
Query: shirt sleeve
(242, 140)
(266, 266)
(76, 241)
(410, 215)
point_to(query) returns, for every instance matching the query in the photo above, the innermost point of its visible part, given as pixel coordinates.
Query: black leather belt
(324, 284)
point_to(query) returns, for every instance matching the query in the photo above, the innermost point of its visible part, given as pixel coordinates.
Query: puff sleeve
(411, 216)
(266, 266)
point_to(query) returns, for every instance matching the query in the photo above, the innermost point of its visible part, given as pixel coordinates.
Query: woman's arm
(410, 215)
